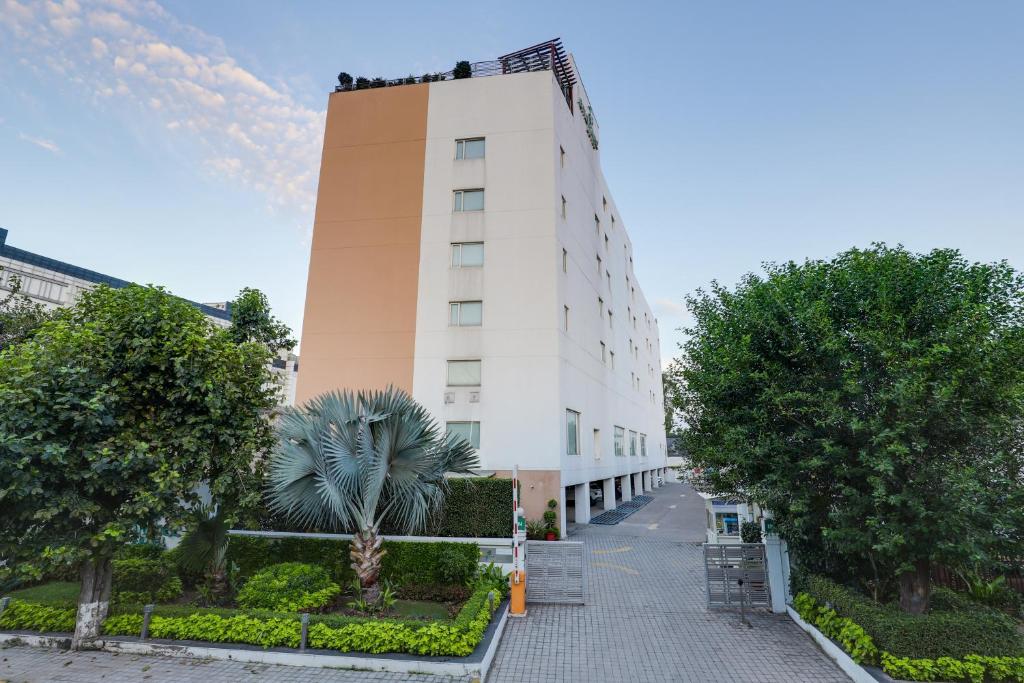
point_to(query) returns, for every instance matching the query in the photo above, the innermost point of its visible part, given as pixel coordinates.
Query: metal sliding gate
(736, 575)
(554, 572)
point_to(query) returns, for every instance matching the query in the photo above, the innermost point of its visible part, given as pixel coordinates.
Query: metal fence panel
(736, 572)
(554, 572)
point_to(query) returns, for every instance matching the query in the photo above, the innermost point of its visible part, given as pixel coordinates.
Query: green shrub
(30, 616)
(456, 638)
(138, 580)
(972, 668)
(406, 562)
(288, 587)
(978, 631)
(141, 551)
(456, 568)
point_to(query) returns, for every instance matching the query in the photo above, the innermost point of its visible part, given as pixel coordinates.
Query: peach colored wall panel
(359, 327)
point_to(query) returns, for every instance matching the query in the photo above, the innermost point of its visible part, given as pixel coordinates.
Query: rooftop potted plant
(345, 81)
(462, 70)
(550, 518)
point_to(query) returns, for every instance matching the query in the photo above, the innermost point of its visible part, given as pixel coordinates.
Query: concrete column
(638, 483)
(627, 488)
(776, 556)
(582, 494)
(646, 478)
(609, 493)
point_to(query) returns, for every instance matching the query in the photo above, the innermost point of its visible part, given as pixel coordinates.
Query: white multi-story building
(53, 284)
(467, 249)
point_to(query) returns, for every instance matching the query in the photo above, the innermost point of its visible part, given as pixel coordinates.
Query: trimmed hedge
(406, 562)
(142, 580)
(457, 638)
(972, 668)
(475, 507)
(30, 616)
(937, 634)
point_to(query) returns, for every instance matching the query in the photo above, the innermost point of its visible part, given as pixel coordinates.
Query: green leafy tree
(111, 417)
(354, 461)
(252, 321)
(872, 402)
(20, 317)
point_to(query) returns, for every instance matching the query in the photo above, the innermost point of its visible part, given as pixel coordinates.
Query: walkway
(645, 619)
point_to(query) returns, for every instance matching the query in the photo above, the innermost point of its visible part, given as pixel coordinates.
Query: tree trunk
(93, 601)
(366, 554)
(915, 588)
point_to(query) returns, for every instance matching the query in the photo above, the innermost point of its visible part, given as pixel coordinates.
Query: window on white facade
(604, 353)
(561, 156)
(572, 432)
(611, 359)
(604, 203)
(643, 445)
(620, 441)
(465, 313)
(463, 373)
(565, 315)
(597, 444)
(565, 261)
(611, 320)
(563, 206)
(606, 242)
(600, 307)
(597, 224)
(470, 431)
(632, 443)
(467, 254)
(469, 200)
(469, 148)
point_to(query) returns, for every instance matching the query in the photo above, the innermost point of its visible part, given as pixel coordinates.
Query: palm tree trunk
(366, 554)
(93, 601)
(915, 588)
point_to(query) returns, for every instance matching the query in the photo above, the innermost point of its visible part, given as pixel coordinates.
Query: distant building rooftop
(63, 268)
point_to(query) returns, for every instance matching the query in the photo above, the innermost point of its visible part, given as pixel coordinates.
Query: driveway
(645, 617)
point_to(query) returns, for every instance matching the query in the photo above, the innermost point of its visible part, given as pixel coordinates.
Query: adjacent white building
(467, 248)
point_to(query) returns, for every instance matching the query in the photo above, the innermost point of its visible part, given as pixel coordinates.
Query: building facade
(467, 249)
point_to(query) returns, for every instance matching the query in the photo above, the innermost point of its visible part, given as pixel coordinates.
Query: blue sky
(178, 143)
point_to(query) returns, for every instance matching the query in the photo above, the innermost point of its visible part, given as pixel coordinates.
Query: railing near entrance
(736, 575)
(554, 572)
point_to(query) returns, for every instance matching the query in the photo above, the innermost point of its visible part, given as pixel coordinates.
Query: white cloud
(48, 145)
(668, 307)
(140, 61)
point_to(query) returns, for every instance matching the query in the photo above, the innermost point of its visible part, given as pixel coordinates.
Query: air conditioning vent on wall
(449, 397)
(474, 397)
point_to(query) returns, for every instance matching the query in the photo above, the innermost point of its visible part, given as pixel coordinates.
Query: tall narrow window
(565, 261)
(597, 444)
(604, 203)
(600, 307)
(597, 224)
(611, 359)
(565, 316)
(632, 443)
(467, 254)
(608, 277)
(572, 432)
(469, 148)
(643, 445)
(563, 206)
(611, 319)
(620, 441)
(465, 313)
(470, 431)
(606, 243)
(469, 200)
(599, 266)
(561, 156)
(463, 373)
(604, 353)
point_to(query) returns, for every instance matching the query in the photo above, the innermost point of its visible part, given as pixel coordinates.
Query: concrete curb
(459, 667)
(855, 671)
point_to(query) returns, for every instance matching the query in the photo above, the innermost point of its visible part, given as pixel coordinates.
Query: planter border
(476, 664)
(855, 671)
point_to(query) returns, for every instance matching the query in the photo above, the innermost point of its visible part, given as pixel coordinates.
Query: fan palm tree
(205, 549)
(349, 462)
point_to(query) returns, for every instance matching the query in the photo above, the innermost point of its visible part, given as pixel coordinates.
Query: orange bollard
(517, 601)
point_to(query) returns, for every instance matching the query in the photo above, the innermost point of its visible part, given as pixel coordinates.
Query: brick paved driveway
(645, 619)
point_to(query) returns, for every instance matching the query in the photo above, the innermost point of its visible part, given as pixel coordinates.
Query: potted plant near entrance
(550, 517)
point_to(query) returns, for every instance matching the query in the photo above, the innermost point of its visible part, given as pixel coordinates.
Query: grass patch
(55, 593)
(420, 609)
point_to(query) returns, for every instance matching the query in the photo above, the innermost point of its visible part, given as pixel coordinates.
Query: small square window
(465, 313)
(469, 148)
(468, 431)
(469, 200)
(467, 254)
(463, 373)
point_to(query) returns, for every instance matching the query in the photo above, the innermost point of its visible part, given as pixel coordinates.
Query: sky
(178, 143)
